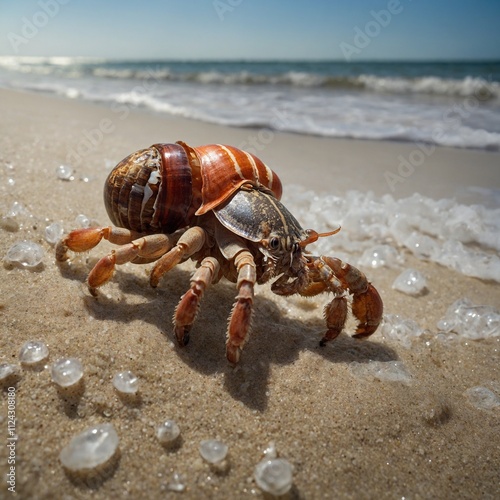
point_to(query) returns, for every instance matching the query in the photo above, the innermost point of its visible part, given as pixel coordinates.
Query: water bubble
(411, 282)
(274, 476)
(177, 483)
(482, 398)
(403, 330)
(65, 173)
(126, 382)
(7, 370)
(33, 352)
(15, 218)
(213, 451)
(91, 448)
(270, 451)
(67, 372)
(82, 220)
(380, 256)
(54, 232)
(168, 432)
(385, 371)
(25, 253)
(471, 321)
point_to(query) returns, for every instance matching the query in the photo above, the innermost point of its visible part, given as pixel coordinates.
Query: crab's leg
(187, 309)
(189, 243)
(241, 315)
(147, 248)
(367, 305)
(82, 240)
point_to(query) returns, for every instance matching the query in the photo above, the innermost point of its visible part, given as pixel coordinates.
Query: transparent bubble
(67, 372)
(91, 448)
(7, 370)
(126, 382)
(403, 330)
(213, 451)
(411, 282)
(65, 173)
(482, 398)
(168, 432)
(380, 256)
(471, 321)
(25, 253)
(176, 483)
(82, 220)
(33, 352)
(54, 232)
(274, 476)
(385, 371)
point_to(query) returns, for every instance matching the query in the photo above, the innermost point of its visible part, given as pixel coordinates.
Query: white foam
(470, 321)
(465, 238)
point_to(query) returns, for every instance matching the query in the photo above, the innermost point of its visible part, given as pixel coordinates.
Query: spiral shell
(161, 189)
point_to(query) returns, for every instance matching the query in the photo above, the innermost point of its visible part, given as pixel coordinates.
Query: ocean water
(454, 104)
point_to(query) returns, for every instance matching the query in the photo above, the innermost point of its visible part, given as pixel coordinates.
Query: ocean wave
(290, 99)
(431, 85)
(301, 76)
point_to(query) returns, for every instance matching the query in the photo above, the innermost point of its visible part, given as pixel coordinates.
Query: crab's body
(220, 207)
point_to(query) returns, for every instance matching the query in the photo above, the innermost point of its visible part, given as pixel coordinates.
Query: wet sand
(346, 436)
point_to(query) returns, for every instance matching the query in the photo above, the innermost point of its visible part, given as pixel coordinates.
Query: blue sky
(252, 29)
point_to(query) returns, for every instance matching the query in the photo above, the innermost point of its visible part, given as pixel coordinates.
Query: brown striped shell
(160, 189)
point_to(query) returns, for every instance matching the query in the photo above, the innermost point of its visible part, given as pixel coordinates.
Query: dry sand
(345, 436)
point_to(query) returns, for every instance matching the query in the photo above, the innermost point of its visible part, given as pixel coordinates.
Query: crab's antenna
(313, 236)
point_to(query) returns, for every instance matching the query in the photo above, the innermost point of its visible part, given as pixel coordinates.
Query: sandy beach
(346, 435)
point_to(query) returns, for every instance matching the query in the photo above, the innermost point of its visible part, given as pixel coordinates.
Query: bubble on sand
(380, 256)
(67, 372)
(385, 371)
(395, 327)
(81, 220)
(274, 476)
(33, 352)
(168, 432)
(25, 253)
(176, 483)
(213, 451)
(482, 398)
(54, 232)
(91, 448)
(65, 173)
(8, 370)
(126, 382)
(411, 282)
(471, 321)
(15, 218)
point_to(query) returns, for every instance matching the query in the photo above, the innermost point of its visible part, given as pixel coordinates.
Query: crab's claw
(367, 307)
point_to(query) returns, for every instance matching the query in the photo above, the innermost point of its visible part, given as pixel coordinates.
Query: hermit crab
(219, 206)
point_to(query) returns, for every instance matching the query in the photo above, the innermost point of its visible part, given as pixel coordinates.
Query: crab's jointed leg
(187, 309)
(189, 243)
(135, 248)
(83, 240)
(241, 315)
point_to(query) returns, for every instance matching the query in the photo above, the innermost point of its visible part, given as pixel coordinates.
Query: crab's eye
(274, 243)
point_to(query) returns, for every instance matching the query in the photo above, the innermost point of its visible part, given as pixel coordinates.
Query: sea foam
(465, 238)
